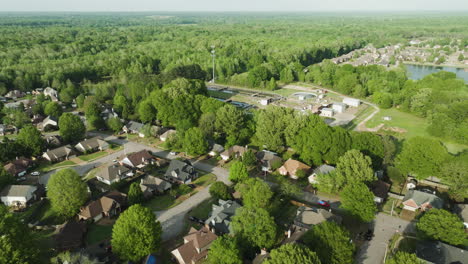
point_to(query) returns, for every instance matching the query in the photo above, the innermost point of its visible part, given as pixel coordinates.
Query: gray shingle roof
(221, 215)
(17, 190)
(113, 172)
(182, 170)
(422, 197)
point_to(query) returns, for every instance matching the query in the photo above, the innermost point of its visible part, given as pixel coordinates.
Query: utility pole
(213, 55)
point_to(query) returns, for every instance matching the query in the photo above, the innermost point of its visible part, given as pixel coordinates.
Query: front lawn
(159, 203)
(98, 232)
(48, 167)
(45, 215)
(205, 180)
(92, 156)
(203, 210)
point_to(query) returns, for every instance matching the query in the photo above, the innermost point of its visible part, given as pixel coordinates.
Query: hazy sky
(233, 5)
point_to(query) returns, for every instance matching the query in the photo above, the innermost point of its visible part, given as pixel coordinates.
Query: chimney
(289, 233)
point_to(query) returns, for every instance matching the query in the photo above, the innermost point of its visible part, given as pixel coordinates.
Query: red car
(323, 203)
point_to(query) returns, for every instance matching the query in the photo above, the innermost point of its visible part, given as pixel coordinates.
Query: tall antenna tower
(213, 55)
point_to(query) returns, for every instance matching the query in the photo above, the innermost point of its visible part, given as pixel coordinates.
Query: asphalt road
(385, 226)
(172, 220)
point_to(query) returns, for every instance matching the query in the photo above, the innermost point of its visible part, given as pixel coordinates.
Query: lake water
(417, 72)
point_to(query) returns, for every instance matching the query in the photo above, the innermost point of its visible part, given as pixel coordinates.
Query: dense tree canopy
(439, 224)
(135, 195)
(31, 139)
(136, 233)
(358, 200)
(421, 157)
(256, 226)
(71, 128)
(292, 254)
(238, 172)
(353, 166)
(224, 250)
(219, 190)
(331, 242)
(402, 257)
(255, 193)
(67, 192)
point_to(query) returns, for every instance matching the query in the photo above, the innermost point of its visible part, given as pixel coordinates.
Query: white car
(36, 173)
(173, 153)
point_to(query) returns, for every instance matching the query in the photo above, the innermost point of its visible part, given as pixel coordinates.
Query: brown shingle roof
(104, 204)
(292, 166)
(139, 157)
(196, 239)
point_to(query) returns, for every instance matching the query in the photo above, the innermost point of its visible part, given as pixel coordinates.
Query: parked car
(193, 186)
(173, 153)
(35, 173)
(23, 178)
(369, 235)
(323, 203)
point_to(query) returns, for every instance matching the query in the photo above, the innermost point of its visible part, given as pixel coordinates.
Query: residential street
(172, 220)
(385, 226)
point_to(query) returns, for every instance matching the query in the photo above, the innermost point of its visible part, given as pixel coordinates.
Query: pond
(417, 72)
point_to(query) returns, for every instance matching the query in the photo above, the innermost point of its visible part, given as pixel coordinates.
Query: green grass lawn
(97, 233)
(48, 167)
(413, 125)
(166, 201)
(93, 156)
(203, 210)
(45, 215)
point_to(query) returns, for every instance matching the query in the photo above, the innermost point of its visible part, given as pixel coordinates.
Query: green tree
(80, 99)
(421, 157)
(17, 243)
(146, 111)
(439, 224)
(115, 124)
(249, 158)
(402, 257)
(358, 200)
(455, 173)
(271, 126)
(353, 166)
(255, 193)
(272, 84)
(194, 142)
(136, 233)
(232, 122)
(67, 192)
(135, 195)
(53, 109)
(31, 139)
(331, 242)
(461, 57)
(219, 190)
(255, 225)
(71, 128)
(73, 258)
(292, 254)
(5, 178)
(238, 172)
(224, 250)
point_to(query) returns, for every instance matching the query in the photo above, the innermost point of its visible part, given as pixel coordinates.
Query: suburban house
(151, 185)
(220, 217)
(351, 102)
(59, 154)
(307, 217)
(234, 151)
(113, 173)
(380, 190)
(52, 93)
(195, 247)
(133, 127)
(267, 160)
(18, 195)
(440, 253)
(108, 113)
(462, 211)
(37, 119)
(164, 136)
(49, 123)
(181, 172)
(53, 140)
(415, 200)
(70, 235)
(216, 150)
(108, 205)
(14, 94)
(18, 167)
(326, 112)
(91, 145)
(322, 169)
(291, 167)
(138, 159)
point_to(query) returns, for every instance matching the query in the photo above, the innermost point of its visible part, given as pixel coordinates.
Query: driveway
(385, 226)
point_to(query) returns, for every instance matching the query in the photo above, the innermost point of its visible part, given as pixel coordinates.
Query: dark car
(193, 186)
(369, 235)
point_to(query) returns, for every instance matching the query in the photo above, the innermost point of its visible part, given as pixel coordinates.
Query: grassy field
(93, 156)
(48, 167)
(166, 201)
(413, 126)
(97, 233)
(45, 215)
